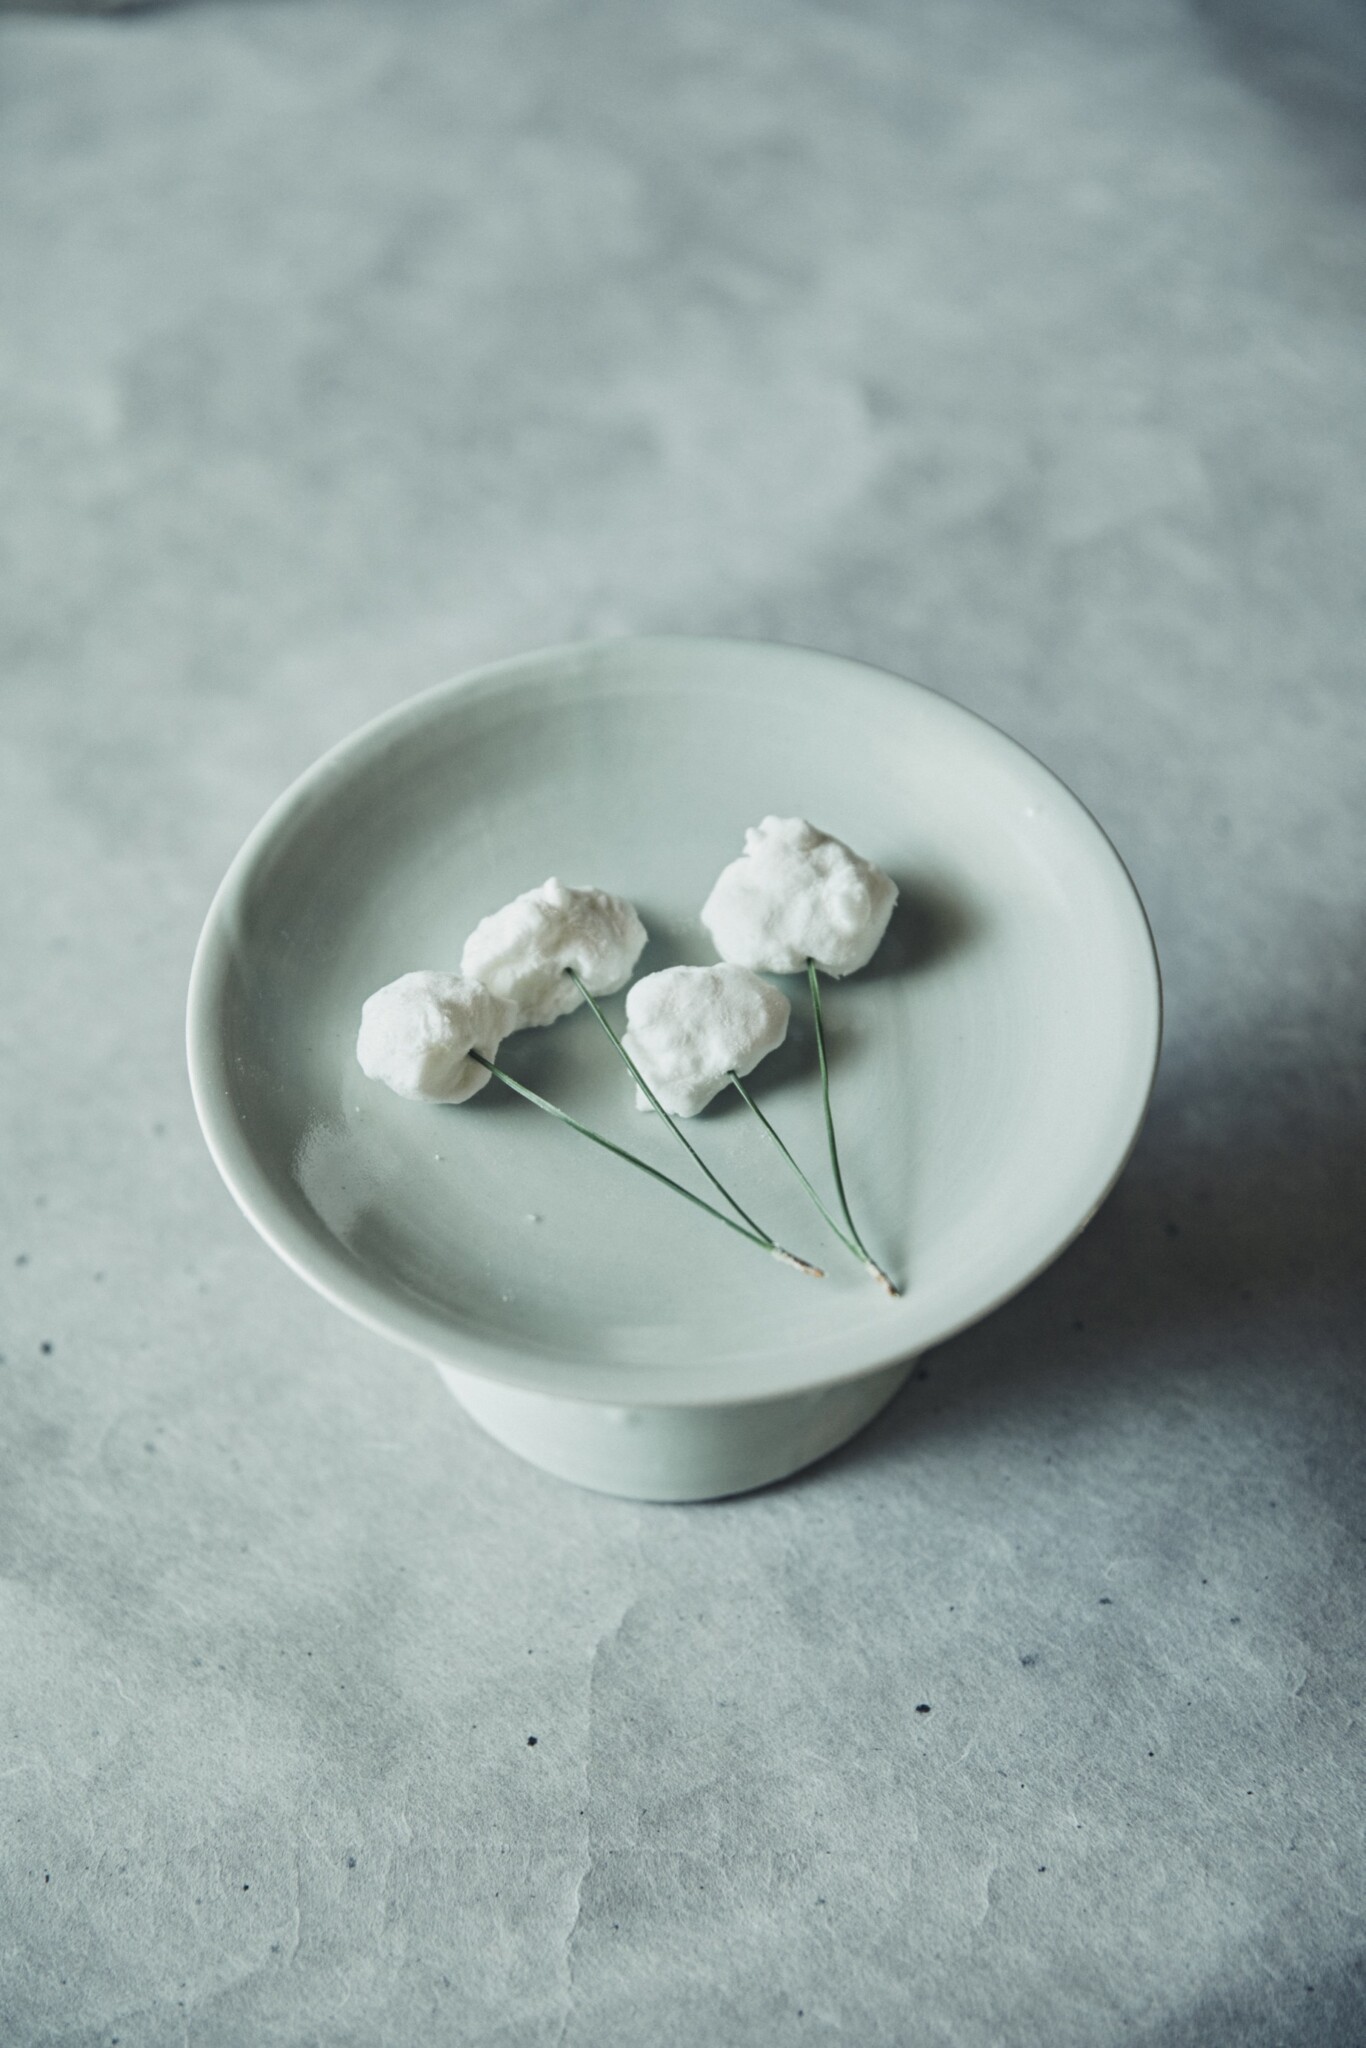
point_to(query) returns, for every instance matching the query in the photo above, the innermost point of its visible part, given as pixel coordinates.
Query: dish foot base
(674, 1454)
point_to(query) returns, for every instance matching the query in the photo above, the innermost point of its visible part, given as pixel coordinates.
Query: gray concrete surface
(1014, 344)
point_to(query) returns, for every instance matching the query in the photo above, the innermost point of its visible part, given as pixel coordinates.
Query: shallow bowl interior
(990, 1068)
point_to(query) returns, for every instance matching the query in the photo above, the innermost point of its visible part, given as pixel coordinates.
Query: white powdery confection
(794, 895)
(417, 1034)
(524, 951)
(689, 1028)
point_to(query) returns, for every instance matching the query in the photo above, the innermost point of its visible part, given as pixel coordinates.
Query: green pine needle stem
(596, 1138)
(660, 1111)
(861, 1250)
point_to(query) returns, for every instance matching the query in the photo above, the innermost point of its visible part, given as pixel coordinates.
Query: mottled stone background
(1014, 344)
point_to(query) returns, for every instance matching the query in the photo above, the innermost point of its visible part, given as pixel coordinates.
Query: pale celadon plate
(990, 1068)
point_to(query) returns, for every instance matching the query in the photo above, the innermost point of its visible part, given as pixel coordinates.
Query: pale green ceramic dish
(991, 1067)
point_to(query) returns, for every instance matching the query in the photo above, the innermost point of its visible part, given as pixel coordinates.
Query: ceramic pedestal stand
(674, 1453)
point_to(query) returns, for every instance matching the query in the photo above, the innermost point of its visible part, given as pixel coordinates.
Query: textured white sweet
(417, 1033)
(524, 950)
(689, 1027)
(797, 894)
